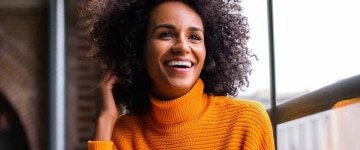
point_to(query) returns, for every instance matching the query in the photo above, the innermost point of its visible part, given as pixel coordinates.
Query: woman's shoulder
(127, 121)
(239, 107)
(238, 103)
(247, 112)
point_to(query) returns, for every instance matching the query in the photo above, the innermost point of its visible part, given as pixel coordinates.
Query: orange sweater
(346, 102)
(194, 121)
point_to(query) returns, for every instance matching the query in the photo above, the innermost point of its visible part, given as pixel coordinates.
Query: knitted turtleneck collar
(180, 109)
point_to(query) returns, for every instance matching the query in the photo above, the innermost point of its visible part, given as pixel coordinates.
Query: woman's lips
(179, 64)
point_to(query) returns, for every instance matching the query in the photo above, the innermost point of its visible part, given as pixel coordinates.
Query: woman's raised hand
(108, 112)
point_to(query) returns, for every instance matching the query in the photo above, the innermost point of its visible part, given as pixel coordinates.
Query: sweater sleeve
(101, 145)
(268, 140)
(346, 102)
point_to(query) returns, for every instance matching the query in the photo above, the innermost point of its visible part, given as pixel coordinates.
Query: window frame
(310, 103)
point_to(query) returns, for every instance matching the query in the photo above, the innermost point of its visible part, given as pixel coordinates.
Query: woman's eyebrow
(169, 26)
(196, 29)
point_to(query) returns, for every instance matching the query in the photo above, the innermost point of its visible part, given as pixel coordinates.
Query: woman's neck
(179, 109)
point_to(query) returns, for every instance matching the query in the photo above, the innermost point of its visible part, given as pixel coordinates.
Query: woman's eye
(166, 35)
(195, 37)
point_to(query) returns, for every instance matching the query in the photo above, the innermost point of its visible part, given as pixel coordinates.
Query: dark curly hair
(117, 30)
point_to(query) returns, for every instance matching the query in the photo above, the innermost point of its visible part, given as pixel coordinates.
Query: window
(259, 86)
(315, 45)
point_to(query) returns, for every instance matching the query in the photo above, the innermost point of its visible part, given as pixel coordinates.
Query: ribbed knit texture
(195, 121)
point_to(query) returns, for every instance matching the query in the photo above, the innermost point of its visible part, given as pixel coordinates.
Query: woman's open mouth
(179, 64)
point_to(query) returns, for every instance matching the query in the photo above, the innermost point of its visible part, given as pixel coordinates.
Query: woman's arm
(108, 110)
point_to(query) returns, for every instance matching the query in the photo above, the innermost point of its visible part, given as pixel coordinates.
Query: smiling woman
(174, 66)
(174, 39)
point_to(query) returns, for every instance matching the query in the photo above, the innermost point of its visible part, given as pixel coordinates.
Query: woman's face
(174, 49)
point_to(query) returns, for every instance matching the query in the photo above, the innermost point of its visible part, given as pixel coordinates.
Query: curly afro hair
(117, 30)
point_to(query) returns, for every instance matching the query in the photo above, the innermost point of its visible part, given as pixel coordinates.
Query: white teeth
(179, 63)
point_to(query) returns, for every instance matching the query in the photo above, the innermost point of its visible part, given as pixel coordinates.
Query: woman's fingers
(108, 80)
(104, 93)
(108, 109)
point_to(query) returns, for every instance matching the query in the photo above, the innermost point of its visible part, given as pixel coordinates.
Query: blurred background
(25, 83)
(316, 44)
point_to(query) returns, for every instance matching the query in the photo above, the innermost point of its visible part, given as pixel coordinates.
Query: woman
(173, 65)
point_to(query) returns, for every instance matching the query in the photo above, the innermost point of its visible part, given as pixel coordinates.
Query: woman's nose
(181, 46)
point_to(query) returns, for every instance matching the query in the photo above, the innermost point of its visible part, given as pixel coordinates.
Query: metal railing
(314, 102)
(317, 101)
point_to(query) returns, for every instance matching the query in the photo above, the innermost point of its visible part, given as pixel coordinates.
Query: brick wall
(22, 68)
(82, 79)
(24, 52)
